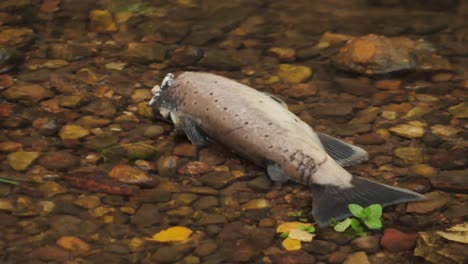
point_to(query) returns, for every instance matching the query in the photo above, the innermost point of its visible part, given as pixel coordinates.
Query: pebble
(146, 215)
(212, 156)
(417, 112)
(59, 160)
(302, 90)
(366, 116)
(451, 159)
(257, 204)
(87, 202)
(291, 73)
(28, 92)
(50, 188)
(102, 21)
(50, 253)
(129, 174)
(410, 155)
(206, 202)
(388, 84)
(167, 165)
(206, 248)
(183, 211)
(369, 244)
(186, 55)
(220, 60)
(195, 167)
(459, 110)
(21, 160)
(221, 179)
(358, 87)
(369, 139)
(184, 149)
(444, 131)
(144, 53)
(408, 131)
(284, 54)
(73, 244)
(395, 240)
(139, 95)
(260, 184)
(292, 257)
(321, 247)
(212, 219)
(454, 180)
(423, 170)
(172, 253)
(10, 146)
(357, 258)
(73, 132)
(435, 201)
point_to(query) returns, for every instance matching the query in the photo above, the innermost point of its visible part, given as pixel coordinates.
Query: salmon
(259, 127)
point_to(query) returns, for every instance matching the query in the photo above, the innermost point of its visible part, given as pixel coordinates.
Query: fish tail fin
(332, 202)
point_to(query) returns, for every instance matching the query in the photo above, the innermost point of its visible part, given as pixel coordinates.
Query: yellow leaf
(286, 227)
(291, 244)
(301, 235)
(172, 234)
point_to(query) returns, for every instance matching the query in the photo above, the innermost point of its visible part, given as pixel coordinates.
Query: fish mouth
(158, 89)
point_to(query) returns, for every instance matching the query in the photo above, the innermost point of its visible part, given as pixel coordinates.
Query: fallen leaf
(172, 234)
(457, 233)
(286, 227)
(291, 244)
(301, 235)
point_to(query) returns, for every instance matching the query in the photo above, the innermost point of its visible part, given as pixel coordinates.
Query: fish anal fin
(332, 202)
(343, 153)
(275, 173)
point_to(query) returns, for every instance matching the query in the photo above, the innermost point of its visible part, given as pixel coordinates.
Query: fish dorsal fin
(343, 153)
(277, 99)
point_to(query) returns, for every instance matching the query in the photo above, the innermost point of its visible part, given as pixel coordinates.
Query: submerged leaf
(172, 234)
(301, 235)
(356, 210)
(291, 244)
(286, 227)
(343, 225)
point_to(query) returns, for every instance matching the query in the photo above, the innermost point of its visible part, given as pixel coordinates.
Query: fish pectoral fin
(277, 99)
(343, 153)
(330, 201)
(275, 173)
(192, 130)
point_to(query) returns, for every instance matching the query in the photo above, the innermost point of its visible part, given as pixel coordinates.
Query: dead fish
(259, 127)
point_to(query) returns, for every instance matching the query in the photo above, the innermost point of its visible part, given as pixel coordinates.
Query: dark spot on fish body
(270, 123)
(246, 123)
(211, 93)
(225, 108)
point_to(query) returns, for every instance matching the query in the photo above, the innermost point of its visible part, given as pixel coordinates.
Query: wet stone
(369, 244)
(144, 52)
(101, 142)
(205, 248)
(395, 240)
(155, 195)
(451, 159)
(410, 155)
(10, 37)
(335, 237)
(50, 253)
(66, 225)
(186, 55)
(153, 132)
(444, 131)
(172, 253)
(94, 121)
(333, 109)
(302, 90)
(59, 160)
(408, 131)
(167, 165)
(355, 86)
(357, 258)
(183, 211)
(146, 215)
(220, 60)
(260, 184)
(50, 189)
(455, 180)
(220, 179)
(257, 204)
(141, 95)
(184, 198)
(101, 21)
(423, 170)
(206, 202)
(184, 149)
(459, 110)
(321, 247)
(87, 202)
(435, 249)
(21, 160)
(211, 219)
(28, 92)
(366, 116)
(73, 132)
(292, 257)
(369, 139)
(291, 73)
(101, 107)
(436, 200)
(195, 167)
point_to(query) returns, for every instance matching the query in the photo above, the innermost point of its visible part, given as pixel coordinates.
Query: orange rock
(388, 84)
(73, 244)
(195, 167)
(128, 174)
(10, 146)
(185, 150)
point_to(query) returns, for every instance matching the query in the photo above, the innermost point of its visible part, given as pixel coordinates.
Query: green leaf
(333, 222)
(356, 210)
(304, 220)
(310, 229)
(284, 235)
(8, 181)
(375, 211)
(299, 214)
(373, 223)
(343, 225)
(356, 228)
(303, 228)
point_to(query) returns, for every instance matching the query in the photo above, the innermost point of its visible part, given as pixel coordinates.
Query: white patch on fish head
(175, 118)
(164, 112)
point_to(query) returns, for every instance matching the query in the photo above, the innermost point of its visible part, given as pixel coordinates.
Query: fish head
(161, 95)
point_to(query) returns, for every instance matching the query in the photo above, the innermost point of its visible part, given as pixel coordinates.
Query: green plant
(3, 180)
(298, 214)
(369, 216)
(309, 229)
